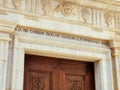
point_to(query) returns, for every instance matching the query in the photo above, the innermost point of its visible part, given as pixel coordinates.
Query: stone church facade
(82, 30)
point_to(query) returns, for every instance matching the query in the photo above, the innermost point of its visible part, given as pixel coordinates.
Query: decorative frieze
(67, 9)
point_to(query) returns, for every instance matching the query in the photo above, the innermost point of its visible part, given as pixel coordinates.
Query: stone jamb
(115, 48)
(4, 53)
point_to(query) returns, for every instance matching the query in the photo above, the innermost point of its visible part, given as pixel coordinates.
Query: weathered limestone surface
(87, 30)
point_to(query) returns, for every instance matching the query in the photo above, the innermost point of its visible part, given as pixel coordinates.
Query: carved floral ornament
(66, 8)
(47, 6)
(17, 3)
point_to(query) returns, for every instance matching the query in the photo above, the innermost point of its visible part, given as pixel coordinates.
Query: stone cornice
(86, 12)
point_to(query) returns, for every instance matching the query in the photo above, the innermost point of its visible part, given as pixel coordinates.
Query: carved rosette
(85, 14)
(65, 8)
(108, 18)
(17, 3)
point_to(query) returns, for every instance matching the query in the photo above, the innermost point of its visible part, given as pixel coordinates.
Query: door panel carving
(45, 73)
(75, 82)
(40, 81)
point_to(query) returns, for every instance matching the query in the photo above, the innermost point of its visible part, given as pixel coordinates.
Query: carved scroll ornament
(108, 18)
(85, 14)
(47, 6)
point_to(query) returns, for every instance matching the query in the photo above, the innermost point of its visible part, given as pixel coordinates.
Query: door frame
(28, 45)
(49, 75)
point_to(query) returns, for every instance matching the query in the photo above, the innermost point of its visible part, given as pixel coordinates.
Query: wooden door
(45, 73)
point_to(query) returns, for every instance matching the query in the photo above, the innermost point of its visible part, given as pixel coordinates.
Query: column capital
(7, 26)
(115, 46)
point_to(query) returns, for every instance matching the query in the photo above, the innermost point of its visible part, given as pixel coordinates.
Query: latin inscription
(60, 35)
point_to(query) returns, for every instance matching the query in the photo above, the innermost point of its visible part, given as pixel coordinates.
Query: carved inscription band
(59, 35)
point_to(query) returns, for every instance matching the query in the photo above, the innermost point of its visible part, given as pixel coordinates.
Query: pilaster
(5, 31)
(115, 47)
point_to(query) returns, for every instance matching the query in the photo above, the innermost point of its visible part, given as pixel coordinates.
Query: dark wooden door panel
(45, 73)
(40, 81)
(75, 82)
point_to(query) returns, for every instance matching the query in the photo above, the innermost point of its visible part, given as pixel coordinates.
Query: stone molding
(65, 9)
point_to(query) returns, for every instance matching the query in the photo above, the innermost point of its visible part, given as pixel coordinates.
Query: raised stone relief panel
(66, 9)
